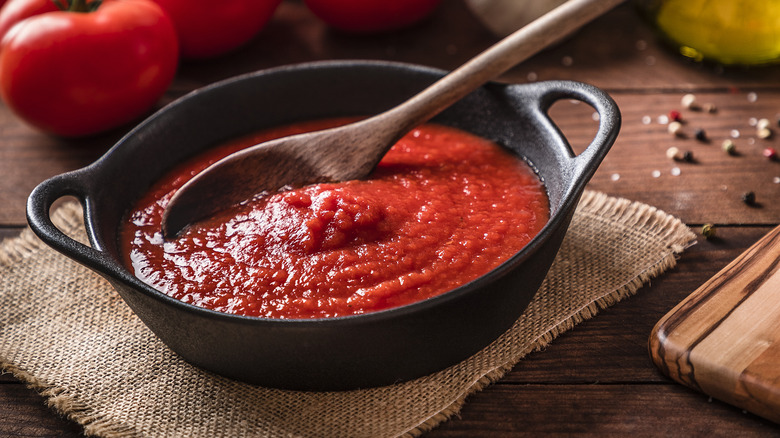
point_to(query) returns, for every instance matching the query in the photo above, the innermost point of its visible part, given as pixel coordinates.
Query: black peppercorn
(749, 198)
(701, 135)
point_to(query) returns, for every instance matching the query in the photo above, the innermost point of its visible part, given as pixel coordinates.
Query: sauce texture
(442, 208)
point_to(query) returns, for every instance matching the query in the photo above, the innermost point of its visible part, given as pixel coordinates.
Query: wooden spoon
(352, 151)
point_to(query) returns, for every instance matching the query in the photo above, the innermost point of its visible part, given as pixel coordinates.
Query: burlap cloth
(67, 333)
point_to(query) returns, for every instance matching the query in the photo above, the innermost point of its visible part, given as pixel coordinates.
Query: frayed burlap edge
(67, 406)
(67, 218)
(641, 216)
(618, 209)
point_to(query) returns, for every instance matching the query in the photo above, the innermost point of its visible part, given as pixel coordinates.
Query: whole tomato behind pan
(211, 28)
(87, 69)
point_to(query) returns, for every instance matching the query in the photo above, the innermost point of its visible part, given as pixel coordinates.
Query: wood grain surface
(598, 379)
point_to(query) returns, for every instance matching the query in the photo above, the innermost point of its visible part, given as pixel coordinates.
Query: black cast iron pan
(339, 353)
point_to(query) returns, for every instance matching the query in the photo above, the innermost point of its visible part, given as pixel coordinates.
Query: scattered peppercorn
(675, 116)
(764, 133)
(674, 153)
(708, 231)
(701, 135)
(711, 108)
(770, 153)
(675, 128)
(749, 198)
(729, 147)
(688, 156)
(762, 124)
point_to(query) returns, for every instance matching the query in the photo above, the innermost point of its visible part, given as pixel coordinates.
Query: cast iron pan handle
(39, 206)
(585, 164)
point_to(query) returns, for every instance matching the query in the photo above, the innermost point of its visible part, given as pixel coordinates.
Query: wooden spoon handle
(724, 339)
(505, 54)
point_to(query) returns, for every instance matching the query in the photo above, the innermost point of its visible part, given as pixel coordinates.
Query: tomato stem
(77, 5)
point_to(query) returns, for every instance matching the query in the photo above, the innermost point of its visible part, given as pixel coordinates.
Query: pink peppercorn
(770, 153)
(675, 116)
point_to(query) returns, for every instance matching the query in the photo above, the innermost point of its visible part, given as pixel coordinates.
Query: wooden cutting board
(724, 339)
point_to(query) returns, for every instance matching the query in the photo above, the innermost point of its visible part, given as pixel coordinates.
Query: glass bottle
(730, 32)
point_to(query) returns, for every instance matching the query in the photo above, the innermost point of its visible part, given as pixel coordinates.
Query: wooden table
(596, 379)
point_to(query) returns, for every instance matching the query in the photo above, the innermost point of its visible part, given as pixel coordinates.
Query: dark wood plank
(599, 410)
(710, 188)
(24, 414)
(10, 232)
(28, 157)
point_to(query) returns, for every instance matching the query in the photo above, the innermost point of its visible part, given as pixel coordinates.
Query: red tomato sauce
(442, 208)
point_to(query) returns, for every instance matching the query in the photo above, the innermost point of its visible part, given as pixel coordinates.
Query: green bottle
(730, 32)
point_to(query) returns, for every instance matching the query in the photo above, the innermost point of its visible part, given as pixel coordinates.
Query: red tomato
(80, 73)
(371, 16)
(212, 28)
(17, 10)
